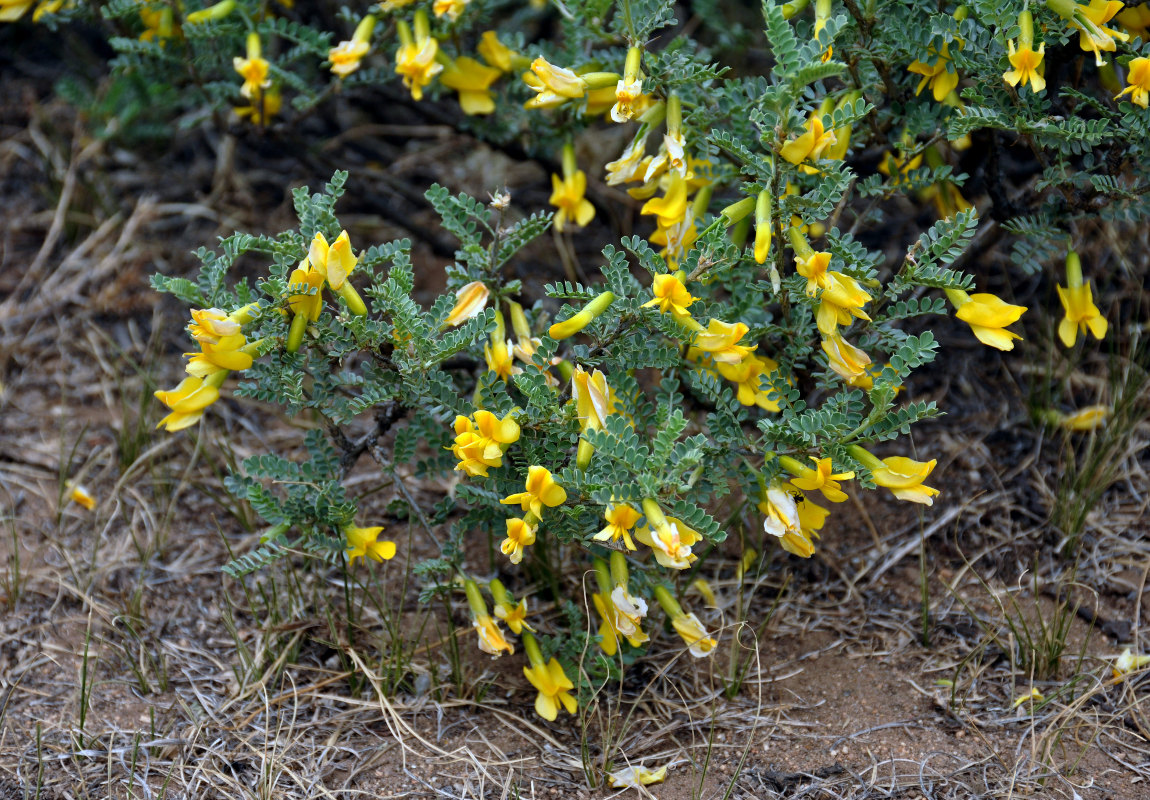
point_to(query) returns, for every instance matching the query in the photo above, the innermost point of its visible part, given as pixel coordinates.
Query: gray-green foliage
(687, 431)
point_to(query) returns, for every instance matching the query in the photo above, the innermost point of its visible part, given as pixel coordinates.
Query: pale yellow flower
(469, 301)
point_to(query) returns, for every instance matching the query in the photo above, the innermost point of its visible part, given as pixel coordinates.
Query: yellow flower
(844, 358)
(676, 240)
(631, 165)
(813, 267)
(481, 444)
(1091, 21)
(593, 398)
(491, 639)
(812, 516)
(1033, 695)
(1081, 315)
(782, 514)
(628, 97)
(670, 295)
(798, 518)
(822, 478)
(449, 8)
(553, 85)
(987, 315)
(634, 777)
(629, 614)
(668, 537)
(12, 10)
(472, 81)
(1027, 62)
(567, 196)
(1136, 20)
(345, 56)
(720, 339)
(1085, 419)
(554, 689)
(226, 353)
(80, 496)
(904, 477)
(1138, 76)
(308, 303)
(897, 166)
(629, 89)
(494, 52)
(500, 358)
(947, 199)
(616, 621)
(1128, 662)
(747, 376)
(336, 262)
(841, 299)
(541, 490)
(810, 145)
(514, 615)
(526, 344)
(469, 301)
(705, 591)
(671, 157)
(262, 108)
(415, 60)
(187, 402)
(694, 635)
(364, 542)
(210, 324)
(159, 22)
(942, 81)
(621, 518)
(686, 625)
(671, 208)
(520, 534)
(1027, 66)
(253, 69)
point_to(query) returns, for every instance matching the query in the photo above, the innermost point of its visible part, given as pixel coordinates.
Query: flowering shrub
(747, 353)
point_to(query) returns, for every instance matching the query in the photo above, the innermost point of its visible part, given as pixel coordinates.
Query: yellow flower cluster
(223, 349)
(481, 442)
(540, 490)
(621, 614)
(418, 60)
(323, 264)
(548, 678)
(792, 517)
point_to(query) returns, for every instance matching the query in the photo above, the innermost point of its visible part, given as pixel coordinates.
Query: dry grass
(131, 667)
